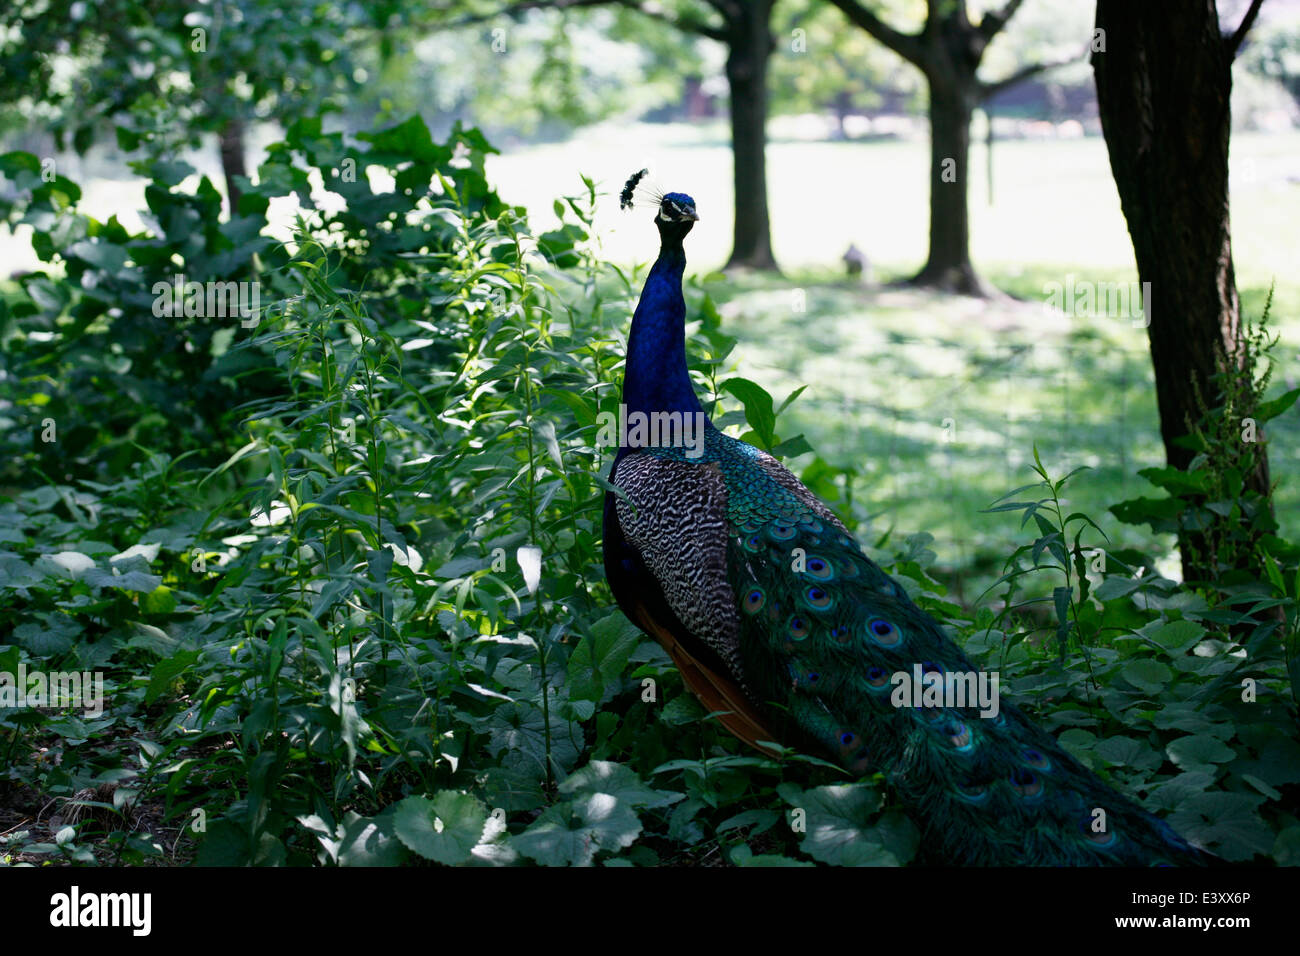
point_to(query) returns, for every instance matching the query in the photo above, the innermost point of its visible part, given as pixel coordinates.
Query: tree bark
(1163, 86)
(948, 50)
(954, 94)
(232, 160)
(748, 49)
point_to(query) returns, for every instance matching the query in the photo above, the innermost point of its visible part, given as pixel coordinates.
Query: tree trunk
(953, 98)
(232, 160)
(749, 46)
(1163, 86)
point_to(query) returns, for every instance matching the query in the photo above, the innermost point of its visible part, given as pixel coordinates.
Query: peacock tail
(785, 629)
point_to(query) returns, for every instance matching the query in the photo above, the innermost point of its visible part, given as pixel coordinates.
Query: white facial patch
(678, 212)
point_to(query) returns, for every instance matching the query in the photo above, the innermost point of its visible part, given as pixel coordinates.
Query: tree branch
(510, 9)
(1233, 43)
(646, 8)
(687, 24)
(991, 23)
(906, 45)
(729, 9)
(989, 90)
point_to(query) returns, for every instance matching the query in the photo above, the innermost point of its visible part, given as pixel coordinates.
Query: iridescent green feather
(824, 630)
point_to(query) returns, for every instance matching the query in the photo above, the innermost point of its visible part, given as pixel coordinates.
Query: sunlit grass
(888, 368)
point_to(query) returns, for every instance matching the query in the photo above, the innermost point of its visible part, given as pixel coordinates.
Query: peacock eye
(753, 602)
(976, 793)
(818, 599)
(1037, 759)
(883, 632)
(1103, 839)
(819, 569)
(798, 627)
(1026, 783)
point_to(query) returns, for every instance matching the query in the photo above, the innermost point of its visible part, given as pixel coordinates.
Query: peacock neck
(656, 379)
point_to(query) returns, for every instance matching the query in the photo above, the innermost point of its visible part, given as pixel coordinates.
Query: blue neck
(655, 378)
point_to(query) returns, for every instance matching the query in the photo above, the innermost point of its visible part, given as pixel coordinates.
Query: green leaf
(839, 828)
(791, 447)
(1275, 407)
(72, 564)
(790, 398)
(573, 832)
(102, 255)
(1147, 675)
(54, 634)
(1261, 786)
(1286, 849)
(1153, 511)
(759, 412)
(224, 844)
(1181, 715)
(1175, 480)
(600, 658)
(1061, 598)
(130, 581)
(1127, 752)
(1274, 574)
(546, 431)
(743, 856)
(445, 829)
(1079, 743)
(1226, 823)
(161, 600)
(617, 780)
(1115, 586)
(1173, 635)
(166, 671)
(518, 734)
(1198, 752)
(761, 820)
(368, 842)
(1174, 792)
(409, 140)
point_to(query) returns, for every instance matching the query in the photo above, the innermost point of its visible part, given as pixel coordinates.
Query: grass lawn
(936, 402)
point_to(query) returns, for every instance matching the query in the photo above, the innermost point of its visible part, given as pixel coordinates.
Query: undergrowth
(338, 561)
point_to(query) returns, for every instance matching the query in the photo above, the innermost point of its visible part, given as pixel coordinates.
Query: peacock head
(676, 211)
(676, 215)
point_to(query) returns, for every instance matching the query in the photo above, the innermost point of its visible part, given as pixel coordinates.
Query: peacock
(789, 634)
